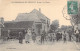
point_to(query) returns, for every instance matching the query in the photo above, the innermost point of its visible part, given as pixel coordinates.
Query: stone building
(41, 21)
(34, 21)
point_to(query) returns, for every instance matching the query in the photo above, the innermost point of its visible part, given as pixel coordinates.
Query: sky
(51, 8)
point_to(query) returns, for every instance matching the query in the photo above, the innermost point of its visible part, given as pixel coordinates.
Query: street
(50, 46)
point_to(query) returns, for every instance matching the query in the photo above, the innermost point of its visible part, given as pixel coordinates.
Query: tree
(54, 26)
(50, 31)
(67, 28)
(64, 27)
(74, 18)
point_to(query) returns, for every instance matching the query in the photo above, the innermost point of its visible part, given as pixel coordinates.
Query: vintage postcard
(39, 25)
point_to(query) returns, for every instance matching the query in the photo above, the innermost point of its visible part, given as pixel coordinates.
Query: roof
(39, 14)
(34, 15)
(17, 25)
(27, 17)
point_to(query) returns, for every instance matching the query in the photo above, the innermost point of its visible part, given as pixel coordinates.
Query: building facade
(34, 21)
(42, 22)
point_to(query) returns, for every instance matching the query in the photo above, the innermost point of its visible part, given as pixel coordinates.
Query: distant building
(13, 28)
(34, 21)
(41, 21)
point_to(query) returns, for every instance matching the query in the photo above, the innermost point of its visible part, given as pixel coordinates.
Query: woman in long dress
(34, 37)
(27, 38)
(20, 37)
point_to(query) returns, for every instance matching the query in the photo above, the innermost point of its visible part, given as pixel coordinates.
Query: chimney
(2, 20)
(39, 9)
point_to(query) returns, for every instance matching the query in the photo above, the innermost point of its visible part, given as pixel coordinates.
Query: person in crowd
(20, 37)
(42, 38)
(64, 36)
(50, 37)
(27, 38)
(34, 37)
(8, 34)
(58, 36)
(70, 34)
(44, 35)
(47, 38)
(61, 36)
(77, 35)
(53, 37)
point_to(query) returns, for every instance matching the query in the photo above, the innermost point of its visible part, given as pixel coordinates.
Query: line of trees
(54, 27)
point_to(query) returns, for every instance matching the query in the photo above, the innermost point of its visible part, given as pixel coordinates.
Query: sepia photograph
(39, 25)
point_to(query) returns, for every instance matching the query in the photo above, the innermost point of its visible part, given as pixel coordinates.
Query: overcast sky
(53, 9)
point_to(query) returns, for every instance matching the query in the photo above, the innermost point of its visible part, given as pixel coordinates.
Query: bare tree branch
(64, 13)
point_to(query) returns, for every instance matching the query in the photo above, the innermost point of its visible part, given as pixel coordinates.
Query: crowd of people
(44, 37)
